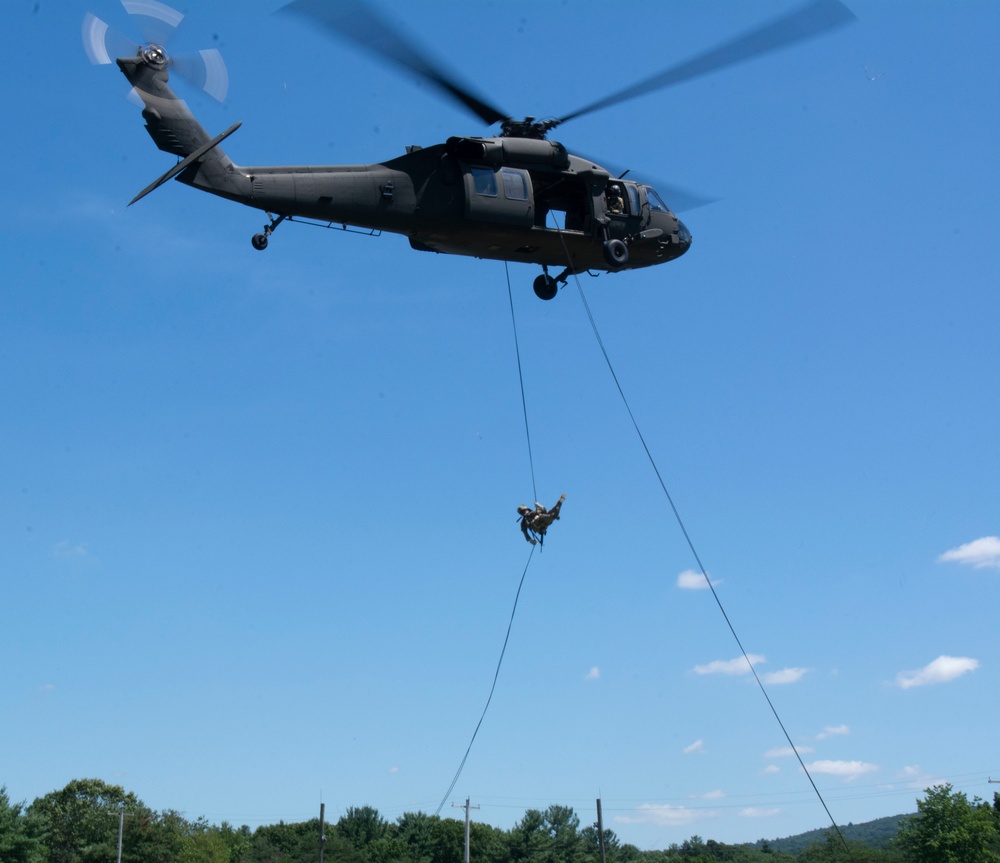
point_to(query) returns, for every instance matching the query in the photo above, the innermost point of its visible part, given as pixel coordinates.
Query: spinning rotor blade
(804, 23)
(206, 69)
(156, 20)
(103, 44)
(355, 21)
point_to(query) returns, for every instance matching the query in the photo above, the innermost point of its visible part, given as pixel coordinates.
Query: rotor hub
(527, 128)
(154, 55)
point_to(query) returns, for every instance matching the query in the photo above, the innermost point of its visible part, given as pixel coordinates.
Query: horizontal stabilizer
(180, 166)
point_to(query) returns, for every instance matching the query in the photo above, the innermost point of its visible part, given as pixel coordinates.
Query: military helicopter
(514, 197)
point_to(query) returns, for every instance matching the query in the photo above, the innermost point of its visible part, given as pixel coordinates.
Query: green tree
(79, 823)
(949, 828)
(18, 844)
(361, 826)
(833, 850)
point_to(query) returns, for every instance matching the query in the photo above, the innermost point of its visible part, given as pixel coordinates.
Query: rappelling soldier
(534, 522)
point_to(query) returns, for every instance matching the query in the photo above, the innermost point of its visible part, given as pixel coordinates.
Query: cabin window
(484, 181)
(515, 184)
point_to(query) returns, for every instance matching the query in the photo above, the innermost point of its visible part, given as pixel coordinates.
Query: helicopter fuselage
(504, 198)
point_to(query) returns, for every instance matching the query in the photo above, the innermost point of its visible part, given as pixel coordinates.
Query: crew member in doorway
(616, 203)
(534, 522)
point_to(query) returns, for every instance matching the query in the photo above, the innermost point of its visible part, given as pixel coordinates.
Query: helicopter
(516, 196)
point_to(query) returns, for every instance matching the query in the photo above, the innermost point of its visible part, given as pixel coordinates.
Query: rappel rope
(520, 376)
(694, 551)
(510, 624)
(496, 675)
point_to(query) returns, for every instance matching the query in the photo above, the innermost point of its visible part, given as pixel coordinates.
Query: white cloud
(730, 666)
(594, 673)
(849, 770)
(691, 579)
(833, 731)
(785, 675)
(718, 794)
(758, 812)
(664, 815)
(695, 748)
(981, 553)
(772, 768)
(942, 670)
(787, 751)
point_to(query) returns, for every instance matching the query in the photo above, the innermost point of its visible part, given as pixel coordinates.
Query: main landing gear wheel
(545, 287)
(616, 253)
(259, 242)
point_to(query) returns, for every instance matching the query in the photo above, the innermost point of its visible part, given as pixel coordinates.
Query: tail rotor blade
(156, 20)
(103, 43)
(206, 70)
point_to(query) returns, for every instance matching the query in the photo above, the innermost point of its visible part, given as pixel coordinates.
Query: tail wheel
(259, 242)
(615, 253)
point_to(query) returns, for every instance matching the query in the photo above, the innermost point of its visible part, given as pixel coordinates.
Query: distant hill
(875, 834)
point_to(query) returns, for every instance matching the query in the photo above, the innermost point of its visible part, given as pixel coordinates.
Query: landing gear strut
(259, 241)
(546, 287)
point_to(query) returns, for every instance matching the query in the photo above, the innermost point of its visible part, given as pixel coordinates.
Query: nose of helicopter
(684, 237)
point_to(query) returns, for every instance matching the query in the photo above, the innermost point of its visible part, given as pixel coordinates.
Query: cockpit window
(655, 201)
(633, 197)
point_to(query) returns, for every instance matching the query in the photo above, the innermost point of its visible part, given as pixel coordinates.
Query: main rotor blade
(359, 23)
(804, 23)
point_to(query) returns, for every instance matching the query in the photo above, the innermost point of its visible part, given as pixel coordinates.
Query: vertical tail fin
(174, 129)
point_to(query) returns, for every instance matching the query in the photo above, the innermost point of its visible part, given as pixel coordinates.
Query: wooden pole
(322, 831)
(600, 830)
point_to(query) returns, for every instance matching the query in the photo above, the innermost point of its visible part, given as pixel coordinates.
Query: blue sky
(257, 530)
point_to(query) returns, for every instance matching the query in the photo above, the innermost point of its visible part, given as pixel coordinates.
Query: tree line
(80, 824)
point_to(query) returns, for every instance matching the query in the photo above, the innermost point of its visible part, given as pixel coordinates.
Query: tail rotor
(158, 24)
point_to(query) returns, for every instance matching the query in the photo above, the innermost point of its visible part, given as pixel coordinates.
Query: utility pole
(322, 831)
(467, 807)
(600, 830)
(121, 829)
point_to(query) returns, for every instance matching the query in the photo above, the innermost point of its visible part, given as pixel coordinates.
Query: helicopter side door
(500, 195)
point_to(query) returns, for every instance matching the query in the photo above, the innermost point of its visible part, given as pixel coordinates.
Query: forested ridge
(80, 824)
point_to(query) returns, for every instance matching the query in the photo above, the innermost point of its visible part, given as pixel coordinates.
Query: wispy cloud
(833, 731)
(759, 812)
(848, 770)
(944, 669)
(718, 794)
(66, 550)
(695, 748)
(982, 553)
(730, 666)
(664, 815)
(691, 579)
(594, 673)
(785, 675)
(787, 751)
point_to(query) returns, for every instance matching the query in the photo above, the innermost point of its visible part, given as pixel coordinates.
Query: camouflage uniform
(534, 522)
